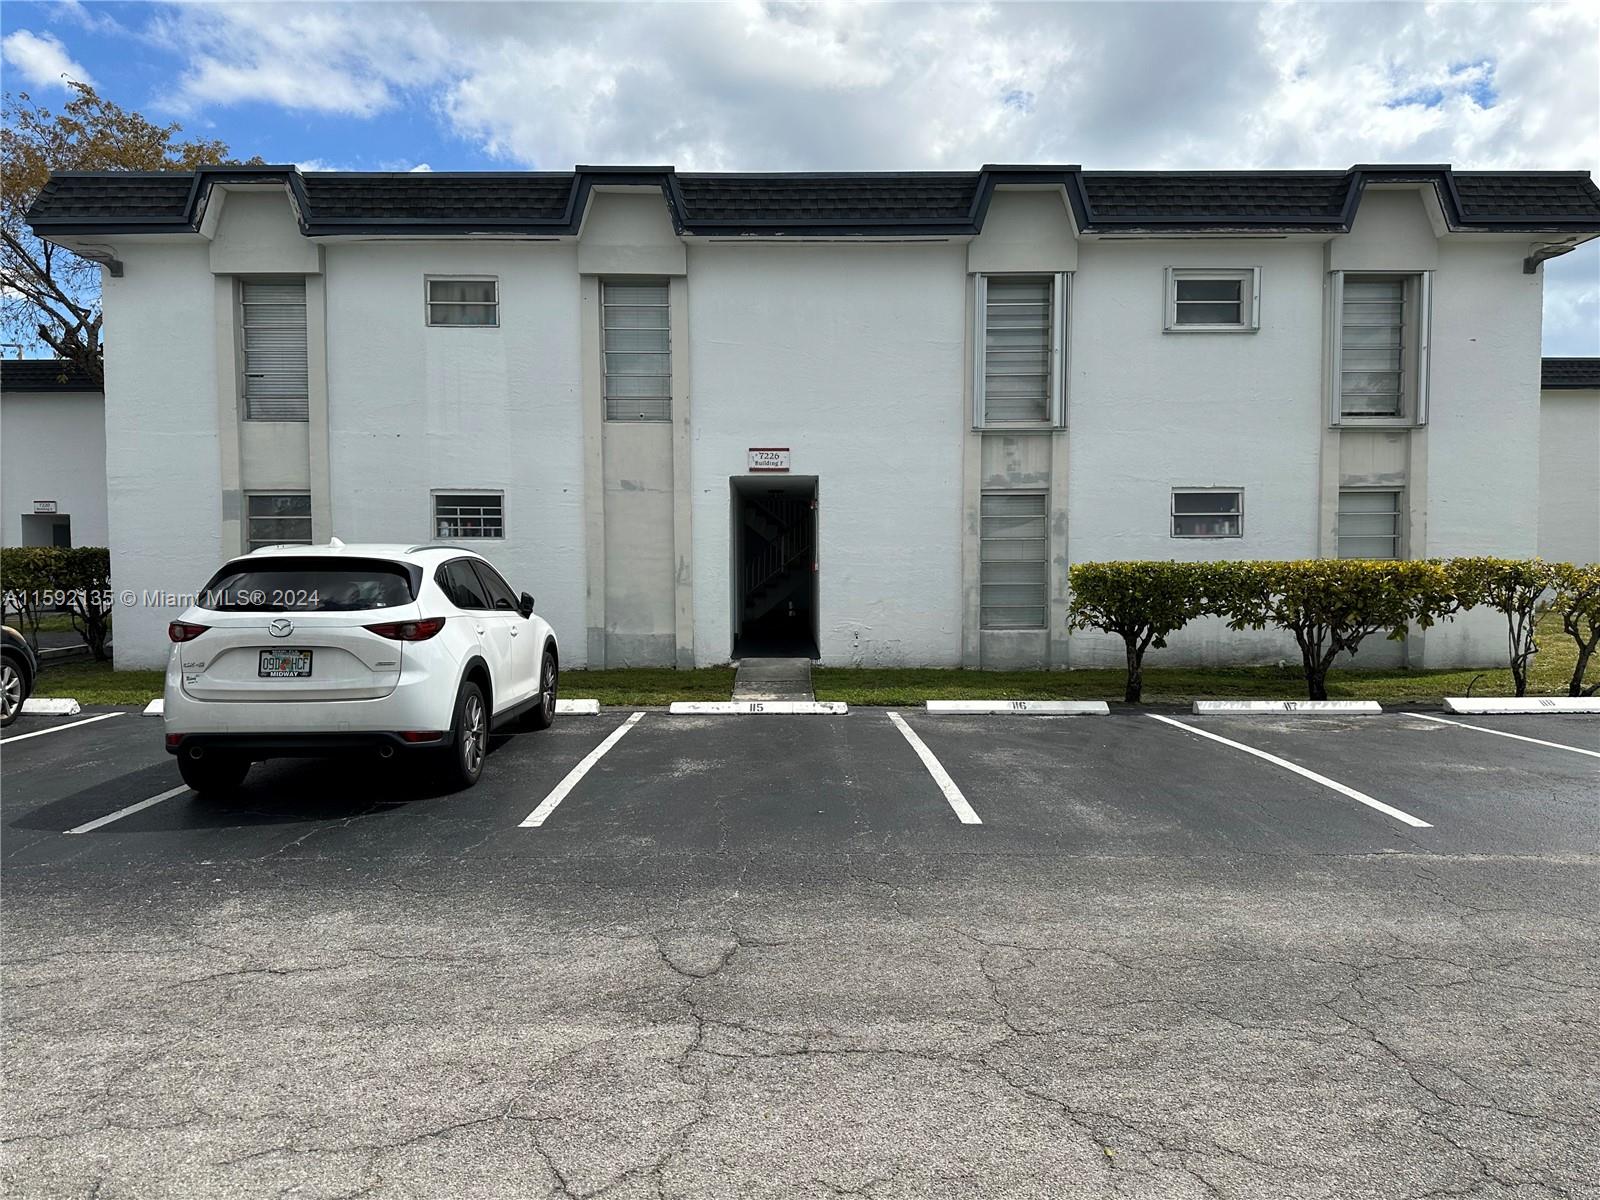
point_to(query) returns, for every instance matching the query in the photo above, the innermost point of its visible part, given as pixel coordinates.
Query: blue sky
(787, 86)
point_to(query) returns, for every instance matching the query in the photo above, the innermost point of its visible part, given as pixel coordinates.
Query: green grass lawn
(97, 683)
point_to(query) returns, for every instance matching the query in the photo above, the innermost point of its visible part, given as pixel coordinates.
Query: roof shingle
(1570, 373)
(43, 375)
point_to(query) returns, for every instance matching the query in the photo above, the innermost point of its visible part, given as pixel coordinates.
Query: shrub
(1512, 585)
(37, 578)
(1578, 603)
(1330, 605)
(1141, 602)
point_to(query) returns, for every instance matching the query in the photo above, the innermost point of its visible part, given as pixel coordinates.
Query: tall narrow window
(1013, 560)
(637, 350)
(272, 318)
(277, 520)
(1018, 347)
(1372, 367)
(1369, 524)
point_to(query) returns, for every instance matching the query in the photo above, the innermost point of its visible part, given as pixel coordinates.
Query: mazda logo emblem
(281, 628)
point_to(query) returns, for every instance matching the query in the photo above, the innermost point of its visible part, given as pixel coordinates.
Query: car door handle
(515, 631)
(479, 628)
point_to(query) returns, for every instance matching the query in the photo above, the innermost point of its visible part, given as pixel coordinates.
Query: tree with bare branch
(48, 294)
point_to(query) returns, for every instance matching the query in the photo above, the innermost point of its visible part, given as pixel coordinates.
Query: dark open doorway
(775, 568)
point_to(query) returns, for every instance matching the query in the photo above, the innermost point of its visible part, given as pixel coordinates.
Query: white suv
(297, 651)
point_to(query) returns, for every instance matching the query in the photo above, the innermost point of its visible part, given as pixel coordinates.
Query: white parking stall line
(89, 826)
(559, 793)
(22, 737)
(1503, 733)
(1334, 784)
(941, 777)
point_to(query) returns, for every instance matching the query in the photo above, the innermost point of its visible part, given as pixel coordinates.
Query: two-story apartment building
(869, 417)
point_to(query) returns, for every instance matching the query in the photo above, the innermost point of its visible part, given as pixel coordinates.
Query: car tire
(13, 690)
(213, 774)
(543, 714)
(461, 764)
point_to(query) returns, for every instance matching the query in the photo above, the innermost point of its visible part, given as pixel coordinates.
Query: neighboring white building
(1569, 460)
(52, 456)
(870, 417)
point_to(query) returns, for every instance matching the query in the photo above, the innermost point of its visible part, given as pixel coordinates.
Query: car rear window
(310, 585)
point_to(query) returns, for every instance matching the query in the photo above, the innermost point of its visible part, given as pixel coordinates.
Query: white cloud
(42, 60)
(773, 85)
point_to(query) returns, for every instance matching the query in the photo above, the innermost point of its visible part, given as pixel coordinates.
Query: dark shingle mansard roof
(900, 204)
(43, 375)
(1571, 373)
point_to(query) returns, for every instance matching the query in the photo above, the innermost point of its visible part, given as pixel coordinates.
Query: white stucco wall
(53, 447)
(162, 457)
(852, 357)
(1149, 411)
(1569, 475)
(413, 409)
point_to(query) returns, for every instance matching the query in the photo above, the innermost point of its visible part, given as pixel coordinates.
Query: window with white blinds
(1372, 350)
(272, 317)
(637, 348)
(1369, 524)
(466, 302)
(1018, 349)
(1013, 560)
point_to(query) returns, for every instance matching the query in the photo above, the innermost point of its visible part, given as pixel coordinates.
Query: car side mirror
(525, 605)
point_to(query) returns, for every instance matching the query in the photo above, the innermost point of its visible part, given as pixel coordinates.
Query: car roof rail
(439, 546)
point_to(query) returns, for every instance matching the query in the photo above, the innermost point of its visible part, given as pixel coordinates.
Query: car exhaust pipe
(197, 752)
(385, 751)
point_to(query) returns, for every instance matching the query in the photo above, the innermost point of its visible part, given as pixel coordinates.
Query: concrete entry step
(773, 679)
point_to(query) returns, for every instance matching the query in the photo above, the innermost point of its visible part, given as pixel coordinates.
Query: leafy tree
(77, 578)
(1578, 602)
(1330, 605)
(50, 294)
(1141, 602)
(1512, 585)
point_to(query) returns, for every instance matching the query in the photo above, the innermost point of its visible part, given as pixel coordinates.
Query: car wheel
(543, 714)
(213, 774)
(13, 691)
(463, 761)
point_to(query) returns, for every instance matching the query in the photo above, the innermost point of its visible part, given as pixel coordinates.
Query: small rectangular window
(1369, 524)
(1213, 301)
(637, 351)
(1208, 513)
(277, 520)
(458, 515)
(272, 325)
(1013, 560)
(471, 302)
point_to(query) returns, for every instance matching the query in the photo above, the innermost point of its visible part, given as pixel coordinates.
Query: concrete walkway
(773, 679)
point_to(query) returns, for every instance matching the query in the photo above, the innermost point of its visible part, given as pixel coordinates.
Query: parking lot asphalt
(1161, 955)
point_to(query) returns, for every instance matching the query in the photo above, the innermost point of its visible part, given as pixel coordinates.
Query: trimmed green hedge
(1332, 605)
(41, 579)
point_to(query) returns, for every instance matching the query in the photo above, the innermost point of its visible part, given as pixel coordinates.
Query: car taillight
(409, 631)
(183, 631)
(422, 735)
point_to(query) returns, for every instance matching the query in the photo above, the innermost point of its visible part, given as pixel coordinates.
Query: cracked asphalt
(760, 957)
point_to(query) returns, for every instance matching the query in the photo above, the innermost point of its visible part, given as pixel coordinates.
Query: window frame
(1060, 316)
(606, 399)
(1401, 550)
(1173, 514)
(1044, 561)
(1415, 343)
(433, 514)
(1249, 280)
(251, 545)
(428, 301)
(242, 354)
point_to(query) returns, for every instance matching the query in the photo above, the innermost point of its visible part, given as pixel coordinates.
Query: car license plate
(285, 664)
